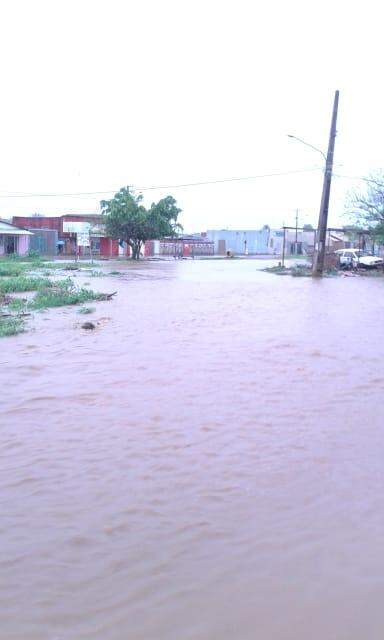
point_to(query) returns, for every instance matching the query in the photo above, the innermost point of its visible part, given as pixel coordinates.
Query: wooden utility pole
(319, 255)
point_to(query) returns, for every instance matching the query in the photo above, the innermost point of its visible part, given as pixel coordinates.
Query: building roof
(8, 229)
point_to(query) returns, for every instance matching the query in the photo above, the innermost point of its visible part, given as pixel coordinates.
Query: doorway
(10, 245)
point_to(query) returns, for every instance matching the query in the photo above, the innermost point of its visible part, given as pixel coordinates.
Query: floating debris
(88, 325)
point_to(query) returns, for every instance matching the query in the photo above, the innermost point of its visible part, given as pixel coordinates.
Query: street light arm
(307, 144)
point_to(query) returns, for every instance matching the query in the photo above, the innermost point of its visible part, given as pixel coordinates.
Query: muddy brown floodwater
(206, 465)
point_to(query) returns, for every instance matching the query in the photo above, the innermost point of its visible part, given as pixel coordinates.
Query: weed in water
(278, 269)
(64, 293)
(62, 266)
(86, 310)
(67, 266)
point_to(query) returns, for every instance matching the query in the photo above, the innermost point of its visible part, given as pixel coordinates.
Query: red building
(67, 240)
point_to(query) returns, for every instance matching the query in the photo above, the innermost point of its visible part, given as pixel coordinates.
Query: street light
(307, 144)
(319, 254)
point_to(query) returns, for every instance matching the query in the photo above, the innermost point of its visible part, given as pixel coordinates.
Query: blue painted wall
(257, 240)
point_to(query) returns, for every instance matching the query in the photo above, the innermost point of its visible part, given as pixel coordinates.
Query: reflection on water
(207, 464)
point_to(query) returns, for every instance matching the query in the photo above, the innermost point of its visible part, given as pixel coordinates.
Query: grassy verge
(48, 294)
(10, 326)
(15, 258)
(22, 265)
(11, 269)
(16, 304)
(62, 294)
(14, 268)
(19, 283)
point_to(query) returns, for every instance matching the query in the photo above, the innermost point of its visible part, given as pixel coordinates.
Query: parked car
(358, 258)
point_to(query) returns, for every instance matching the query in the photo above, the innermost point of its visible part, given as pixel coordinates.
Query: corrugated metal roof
(6, 228)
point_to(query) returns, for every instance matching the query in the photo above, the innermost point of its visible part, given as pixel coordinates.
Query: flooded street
(206, 465)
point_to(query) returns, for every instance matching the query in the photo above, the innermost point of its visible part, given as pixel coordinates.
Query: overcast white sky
(101, 94)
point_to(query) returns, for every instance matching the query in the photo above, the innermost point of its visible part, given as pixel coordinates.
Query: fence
(44, 241)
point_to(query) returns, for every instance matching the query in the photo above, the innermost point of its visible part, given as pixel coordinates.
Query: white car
(358, 258)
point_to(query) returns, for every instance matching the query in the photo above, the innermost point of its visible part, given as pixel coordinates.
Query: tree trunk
(136, 246)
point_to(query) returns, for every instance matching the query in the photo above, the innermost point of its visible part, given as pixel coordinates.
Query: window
(95, 244)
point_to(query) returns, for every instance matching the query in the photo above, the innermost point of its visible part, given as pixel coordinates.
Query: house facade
(62, 234)
(13, 239)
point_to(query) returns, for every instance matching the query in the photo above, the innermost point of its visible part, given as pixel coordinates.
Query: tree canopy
(367, 205)
(126, 218)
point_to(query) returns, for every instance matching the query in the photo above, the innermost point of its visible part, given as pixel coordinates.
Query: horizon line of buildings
(72, 234)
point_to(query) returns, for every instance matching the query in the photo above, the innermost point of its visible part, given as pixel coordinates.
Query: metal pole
(319, 255)
(314, 245)
(90, 247)
(283, 256)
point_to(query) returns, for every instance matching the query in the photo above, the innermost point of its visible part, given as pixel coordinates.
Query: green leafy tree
(127, 219)
(366, 206)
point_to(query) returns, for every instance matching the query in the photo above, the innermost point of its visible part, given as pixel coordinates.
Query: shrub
(10, 326)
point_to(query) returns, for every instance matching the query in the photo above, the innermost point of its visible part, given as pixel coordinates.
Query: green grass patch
(62, 294)
(23, 283)
(14, 268)
(33, 257)
(11, 269)
(11, 326)
(17, 304)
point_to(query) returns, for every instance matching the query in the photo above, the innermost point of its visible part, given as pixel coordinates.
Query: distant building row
(64, 235)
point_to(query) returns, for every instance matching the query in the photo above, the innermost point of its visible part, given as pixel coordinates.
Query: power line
(337, 175)
(196, 184)
(14, 194)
